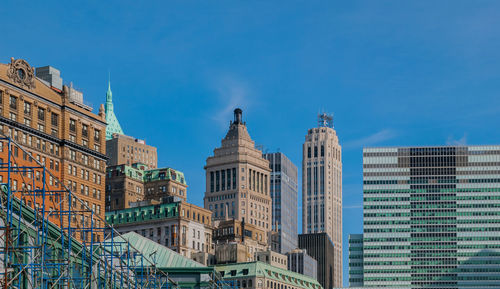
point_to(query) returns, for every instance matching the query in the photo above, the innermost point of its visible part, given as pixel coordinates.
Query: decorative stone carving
(20, 72)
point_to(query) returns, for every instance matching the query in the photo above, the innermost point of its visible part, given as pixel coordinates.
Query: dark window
(217, 181)
(54, 119)
(223, 182)
(322, 150)
(228, 173)
(41, 114)
(315, 151)
(234, 178)
(85, 130)
(309, 152)
(211, 182)
(13, 102)
(72, 125)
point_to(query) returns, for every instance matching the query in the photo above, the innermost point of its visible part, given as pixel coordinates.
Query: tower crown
(325, 120)
(238, 113)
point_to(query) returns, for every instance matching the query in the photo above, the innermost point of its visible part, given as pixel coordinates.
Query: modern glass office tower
(432, 217)
(284, 193)
(356, 260)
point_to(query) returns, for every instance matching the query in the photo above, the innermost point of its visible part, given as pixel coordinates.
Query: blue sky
(392, 72)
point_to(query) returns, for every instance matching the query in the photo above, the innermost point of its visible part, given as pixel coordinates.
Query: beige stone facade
(322, 189)
(251, 237)
(124, 186)
(272, 258)
(237, 179)
(62, 133)
(164, 182)
(127, 150)
(183, 227)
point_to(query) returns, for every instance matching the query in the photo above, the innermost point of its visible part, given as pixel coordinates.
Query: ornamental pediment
(21, 73)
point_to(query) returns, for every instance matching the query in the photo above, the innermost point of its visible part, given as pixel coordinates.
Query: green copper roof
(260, 269)
(113, 124)
(164, 174)
(144, 213)
(158, 254)
(149, 175)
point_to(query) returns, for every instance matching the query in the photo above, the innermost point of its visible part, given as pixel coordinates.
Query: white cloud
(375, 138)
(353, 207)
(457, 142)
(232, 93)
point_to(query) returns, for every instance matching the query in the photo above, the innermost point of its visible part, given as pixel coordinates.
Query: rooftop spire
(113, 124)
(109, 94)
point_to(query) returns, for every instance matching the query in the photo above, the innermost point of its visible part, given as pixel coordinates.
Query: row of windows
(41, 114)
(222, 180)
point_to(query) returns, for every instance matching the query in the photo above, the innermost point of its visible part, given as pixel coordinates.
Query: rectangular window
(322, 179)
(228, 174)
(315, 180)
(309, 152)
(27, 109)
(223, 182)
(54, 119)
(217, 184)
(13, 102)
(85, 130)
(72, 125)
(234, 179)
(41, 114)
(315, 151)
(212, 182)
(97, 135)
(308, 181)
(322, 150)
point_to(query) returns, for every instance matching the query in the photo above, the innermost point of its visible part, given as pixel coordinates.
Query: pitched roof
(158, 254)
(262, 269)
(111, 119)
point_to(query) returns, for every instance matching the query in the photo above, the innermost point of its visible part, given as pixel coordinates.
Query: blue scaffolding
(50, 238)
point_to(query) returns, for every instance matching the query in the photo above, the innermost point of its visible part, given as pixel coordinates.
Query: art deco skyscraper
(237, 179)
(322, 186)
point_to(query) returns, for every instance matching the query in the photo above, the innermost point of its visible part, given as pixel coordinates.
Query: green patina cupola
(113, 124)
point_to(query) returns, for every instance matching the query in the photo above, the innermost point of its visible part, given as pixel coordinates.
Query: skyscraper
(431, 217)
(322, 186)
(237, 179)
(284, 194)
(321, 248)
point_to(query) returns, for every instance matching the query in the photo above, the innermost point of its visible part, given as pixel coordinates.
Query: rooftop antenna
(325, 120)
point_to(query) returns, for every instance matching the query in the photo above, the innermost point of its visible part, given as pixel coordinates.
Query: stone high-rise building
(237, 179)
(322, 187)
(321, 248)
(126, 150)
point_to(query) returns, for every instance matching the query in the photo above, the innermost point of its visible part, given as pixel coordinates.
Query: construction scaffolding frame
(49, 238)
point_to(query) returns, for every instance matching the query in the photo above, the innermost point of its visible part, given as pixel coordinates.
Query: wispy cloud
(360, 206)
(383, 135)
(457, 142)
(232, 93)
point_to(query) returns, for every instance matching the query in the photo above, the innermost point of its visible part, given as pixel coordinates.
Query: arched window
(244, 284)
(250, 283)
